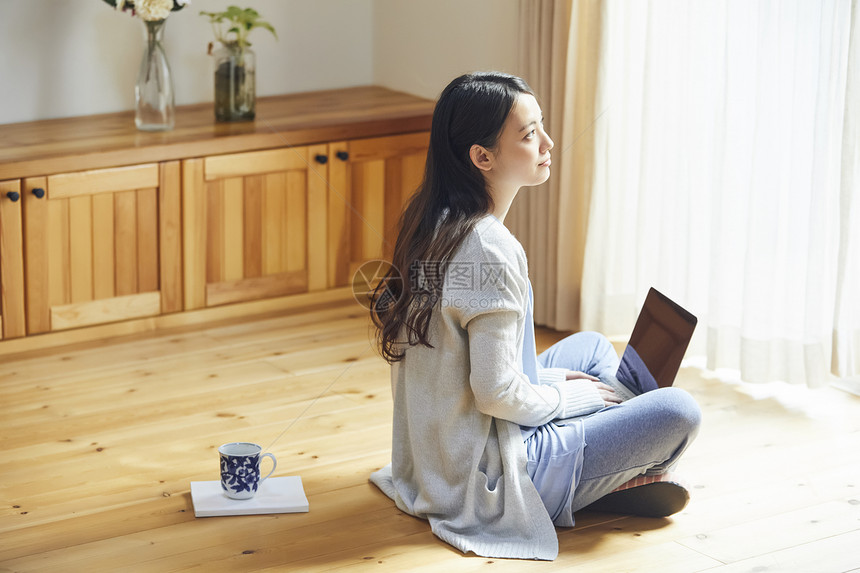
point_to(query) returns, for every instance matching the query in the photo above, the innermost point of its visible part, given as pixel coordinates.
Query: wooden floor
(98, 444)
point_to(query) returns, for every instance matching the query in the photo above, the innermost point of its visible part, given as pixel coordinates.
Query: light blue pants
(644, 435)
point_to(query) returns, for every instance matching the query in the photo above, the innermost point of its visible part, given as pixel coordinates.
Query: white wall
(420, 46)
(61, 58)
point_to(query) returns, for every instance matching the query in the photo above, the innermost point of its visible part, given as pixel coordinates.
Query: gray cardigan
(458, 457)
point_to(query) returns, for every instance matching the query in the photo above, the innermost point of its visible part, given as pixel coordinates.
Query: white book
(275, 495)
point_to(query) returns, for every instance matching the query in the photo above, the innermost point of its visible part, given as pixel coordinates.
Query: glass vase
(235, 89)
(153, 94)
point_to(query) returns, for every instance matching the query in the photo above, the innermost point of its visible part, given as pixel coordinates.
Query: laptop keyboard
(621, 390)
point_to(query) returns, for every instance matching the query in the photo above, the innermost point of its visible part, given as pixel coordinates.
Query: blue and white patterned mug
(240, 469)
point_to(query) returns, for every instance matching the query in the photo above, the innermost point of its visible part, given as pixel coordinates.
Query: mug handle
(274, 465)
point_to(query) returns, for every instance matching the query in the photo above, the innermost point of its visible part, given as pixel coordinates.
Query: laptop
(656, 348)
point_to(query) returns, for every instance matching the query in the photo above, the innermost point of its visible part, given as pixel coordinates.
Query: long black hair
(453, 196)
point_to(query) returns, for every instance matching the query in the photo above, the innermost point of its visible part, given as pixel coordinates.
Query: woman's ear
(481, 157)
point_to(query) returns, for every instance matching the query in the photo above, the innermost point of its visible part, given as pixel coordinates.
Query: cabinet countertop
(90, 142)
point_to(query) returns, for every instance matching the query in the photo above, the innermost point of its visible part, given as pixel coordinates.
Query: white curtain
(727, 175)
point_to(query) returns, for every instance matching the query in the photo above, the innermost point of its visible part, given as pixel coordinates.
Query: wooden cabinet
(293, 220)
(366, 197)
(98, 246)
(12, 319)
(248, 219)
(111, 226)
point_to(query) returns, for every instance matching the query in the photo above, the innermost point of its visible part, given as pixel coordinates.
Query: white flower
(150, 10)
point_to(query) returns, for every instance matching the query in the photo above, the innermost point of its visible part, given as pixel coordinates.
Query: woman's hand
(607, 394)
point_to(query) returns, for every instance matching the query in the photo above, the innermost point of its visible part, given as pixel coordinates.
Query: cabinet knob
(39, 192)
(321, 159)
(13, 196)
(342, 155)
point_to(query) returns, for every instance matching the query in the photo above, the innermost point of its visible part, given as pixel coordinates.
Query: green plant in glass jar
(235, 87)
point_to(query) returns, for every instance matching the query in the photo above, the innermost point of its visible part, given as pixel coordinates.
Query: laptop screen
(658, 342)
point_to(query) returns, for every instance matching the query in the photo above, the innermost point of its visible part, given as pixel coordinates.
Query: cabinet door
(252, 224)
(102, 246)
(12, 322)
(370, 181)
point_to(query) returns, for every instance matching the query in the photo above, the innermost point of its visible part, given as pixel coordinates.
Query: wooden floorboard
(100, 441)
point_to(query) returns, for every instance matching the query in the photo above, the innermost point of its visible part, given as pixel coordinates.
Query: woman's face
(521, 157)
